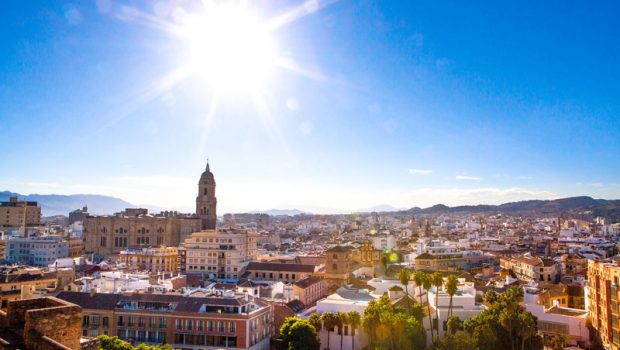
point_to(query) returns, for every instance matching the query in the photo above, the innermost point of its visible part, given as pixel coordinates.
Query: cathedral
(206, 203)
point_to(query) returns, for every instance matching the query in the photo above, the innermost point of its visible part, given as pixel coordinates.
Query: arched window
(334, 266)
(205, 191)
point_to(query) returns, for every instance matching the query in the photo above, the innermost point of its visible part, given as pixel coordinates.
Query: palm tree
(427, 283)
(341, 321)
(329, 322)
(451, 288)
(404, 278)
(418, 277)
(354, 320)
(527, 327)
(384, 263)
(315, 321)
(437, 280)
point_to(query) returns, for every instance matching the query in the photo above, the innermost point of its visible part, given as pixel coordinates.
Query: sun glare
(230, 48)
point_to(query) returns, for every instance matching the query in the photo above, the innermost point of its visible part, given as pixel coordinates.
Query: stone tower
(206, 203)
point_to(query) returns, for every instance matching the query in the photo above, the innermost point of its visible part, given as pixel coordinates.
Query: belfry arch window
(205, 191)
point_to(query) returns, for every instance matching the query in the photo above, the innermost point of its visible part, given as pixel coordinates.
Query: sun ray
(210, 117)
(303, 10)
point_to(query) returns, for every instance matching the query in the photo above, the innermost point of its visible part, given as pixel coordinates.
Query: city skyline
(377, 104)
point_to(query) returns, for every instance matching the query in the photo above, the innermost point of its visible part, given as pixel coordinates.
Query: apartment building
(309, 290)
(36, 250)
(16, 213)
(24, 282)
(532, 269)
(603, 312)
(151, 259)
(278, 272)
(223, 253)
(205, 319)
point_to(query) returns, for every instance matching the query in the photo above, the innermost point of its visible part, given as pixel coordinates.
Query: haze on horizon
(339, 105)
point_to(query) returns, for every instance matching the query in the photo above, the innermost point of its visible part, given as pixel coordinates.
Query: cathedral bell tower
(206, 203)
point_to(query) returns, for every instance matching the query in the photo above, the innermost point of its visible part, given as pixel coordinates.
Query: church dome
(207, 175)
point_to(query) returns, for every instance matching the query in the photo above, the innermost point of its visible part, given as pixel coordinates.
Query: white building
(557, 321)
(463, 305)
(345, 300)
(36, 250)
(383, 242)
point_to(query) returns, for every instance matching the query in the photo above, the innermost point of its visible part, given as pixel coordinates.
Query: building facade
(151, 259)
(36, 250)
(603, 282)
(222, 254)
(106, 235)
(338, 262)
(532, 269)
(278, 272)
(309, 290)
(16, 213)
(200, 320)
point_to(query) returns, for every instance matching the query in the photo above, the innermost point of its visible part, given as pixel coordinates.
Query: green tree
(342, 320)
(315, 321)
(355, 320)
(302, 336)
(404, 276)
(385, 260)
(454, 324)
(452, 284)
(329, 322)
(491, 297)
(505, 324)
(418, 278)
(114, 343)
(437, 280)
(457, 341)
(427, 283)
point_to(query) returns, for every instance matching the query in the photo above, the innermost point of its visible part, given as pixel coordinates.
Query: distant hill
(588, 206)
(279, 212)
(55, 204)
(381, 208)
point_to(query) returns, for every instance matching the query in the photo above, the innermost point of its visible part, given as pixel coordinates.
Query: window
(103, 241)
(220, 326)
(200, 325)
(179, 324)
(131, 321)
(232, 327)
(188, 325)
(334, 267)
(162, 323)
(105, 321)
(210, 326)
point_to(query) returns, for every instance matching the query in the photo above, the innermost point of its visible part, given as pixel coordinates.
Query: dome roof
(207, 175)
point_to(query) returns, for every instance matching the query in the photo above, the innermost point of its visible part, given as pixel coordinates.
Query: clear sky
(406, 103)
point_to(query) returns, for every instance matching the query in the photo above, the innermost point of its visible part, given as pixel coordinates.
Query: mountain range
(53, 204)
(587, 206)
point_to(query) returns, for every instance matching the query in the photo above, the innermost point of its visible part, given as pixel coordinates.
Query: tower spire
(208, 164)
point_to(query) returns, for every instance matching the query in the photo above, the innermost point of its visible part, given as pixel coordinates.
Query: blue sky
(407, 103)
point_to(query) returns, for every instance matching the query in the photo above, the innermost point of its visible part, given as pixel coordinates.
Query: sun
(230, 48)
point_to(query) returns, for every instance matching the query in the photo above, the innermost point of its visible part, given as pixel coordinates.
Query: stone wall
(39, 320)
